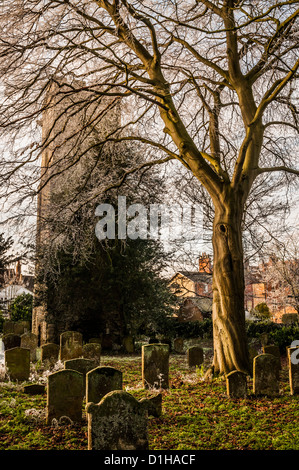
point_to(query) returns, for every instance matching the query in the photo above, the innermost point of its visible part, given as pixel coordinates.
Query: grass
(197, 415)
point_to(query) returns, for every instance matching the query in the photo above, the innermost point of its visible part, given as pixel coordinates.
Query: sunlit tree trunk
(229, 334)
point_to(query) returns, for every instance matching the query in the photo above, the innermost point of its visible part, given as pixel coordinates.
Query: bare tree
(282, 273)
(209, 84)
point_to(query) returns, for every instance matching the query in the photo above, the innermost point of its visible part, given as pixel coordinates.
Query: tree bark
(229, 332)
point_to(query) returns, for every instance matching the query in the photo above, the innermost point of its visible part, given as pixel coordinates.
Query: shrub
(21, 308)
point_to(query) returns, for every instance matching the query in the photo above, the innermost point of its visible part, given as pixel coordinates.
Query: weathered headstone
(155, 366)
(81, 365)
(49, 353)
(236, 384)
(101, 381)
(65, 393)
(128, 344)
(195, 356)
(265, 381)
(178, 345)
(17, 363)
(21, 327)
(10, 340)
(8, 327)
(29, 340)
(293, 364)
(92, 351)
(274, 350)
(118, 422)
(71, 345)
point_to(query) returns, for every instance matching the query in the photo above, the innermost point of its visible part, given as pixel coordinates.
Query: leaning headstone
(29, 340)
(293, 364)
(11, 340)
(101, 381)
(155, 365)
(71, 345)
(265, 381)
(195, 356)
(236, 384)
(49, 353)
(17, 363)
(118, 422)
(81, 365)
(65, 393)
(92, 351)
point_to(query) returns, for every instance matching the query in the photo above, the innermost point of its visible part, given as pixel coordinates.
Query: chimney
(204, 264)
(18, 271)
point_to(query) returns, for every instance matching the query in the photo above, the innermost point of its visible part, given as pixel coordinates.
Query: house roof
(194, 276)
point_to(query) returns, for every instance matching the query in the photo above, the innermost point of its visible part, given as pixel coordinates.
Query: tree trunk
(230, 341)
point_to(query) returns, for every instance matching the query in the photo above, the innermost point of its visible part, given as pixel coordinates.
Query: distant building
(195, 294)
(258, 290)
(194, 291)
(14, 284)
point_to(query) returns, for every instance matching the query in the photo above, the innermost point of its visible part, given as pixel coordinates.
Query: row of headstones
(71, 346)
(266, 369)
(116, 420)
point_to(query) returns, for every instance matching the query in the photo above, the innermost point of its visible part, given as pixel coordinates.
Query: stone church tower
(68, 122)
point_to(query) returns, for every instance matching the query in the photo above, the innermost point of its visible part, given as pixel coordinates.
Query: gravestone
(81, 365)
(128, 344)
(17, 363)
(155, 365)
(92, 351)
(178, 345)
(265, 381)
(118, 422)
(101, 381)
(65, 393)
(8, 327)
(293, 365)
(153, 405)
(236, 384)
(49, 353)
(29, 340)
(21, 327)
(71, 345)
(195, 356)
(11, 340)
(274, 350)
(34, 389)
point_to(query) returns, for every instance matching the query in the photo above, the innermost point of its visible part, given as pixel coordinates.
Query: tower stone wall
(72, 116)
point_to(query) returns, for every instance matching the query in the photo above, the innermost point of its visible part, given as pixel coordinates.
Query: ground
(197, 415)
